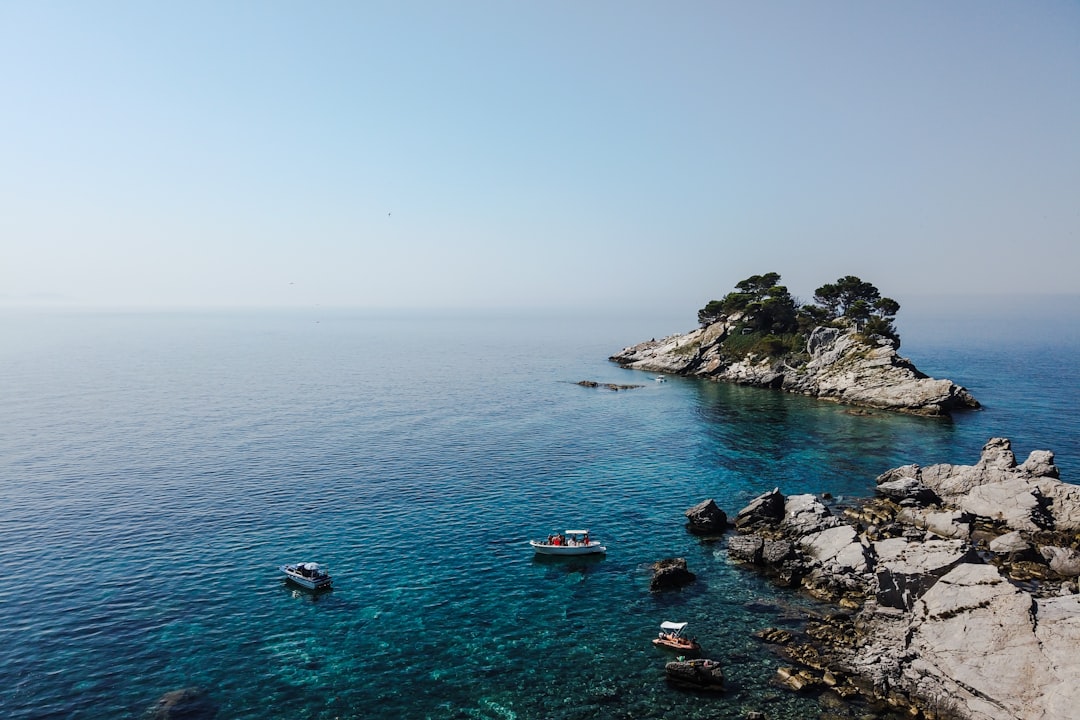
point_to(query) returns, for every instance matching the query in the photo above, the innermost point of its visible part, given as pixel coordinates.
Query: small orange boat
(671, 637)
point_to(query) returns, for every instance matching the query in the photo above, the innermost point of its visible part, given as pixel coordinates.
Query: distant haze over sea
(990, 319)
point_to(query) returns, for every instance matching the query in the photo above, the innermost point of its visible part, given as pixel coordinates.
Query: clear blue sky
(533, 154)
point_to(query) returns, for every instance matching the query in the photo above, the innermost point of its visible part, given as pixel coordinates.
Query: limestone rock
(904, 472)
(996, 652)
(1063, 561)
(996, 464)
(765, 509)
(837, 550)
(697, 674)
(775, 552)
(670, 574)
(1009, 543)
(706, 518)
(1018, 497)
(990, 648)
(805, 514)
(1064, 501)
(934, 629)
(774, 636)
(838, 365)
(746, 548)
(908, 488)
(904, 571)
(1013, 502)
(945, 523)
(997, 453)
(797, 678)
(1040, 463)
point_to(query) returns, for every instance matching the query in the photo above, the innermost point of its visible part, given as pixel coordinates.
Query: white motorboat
(308, 574)
(571, 542)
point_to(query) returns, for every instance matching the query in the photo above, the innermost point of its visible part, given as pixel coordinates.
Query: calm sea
(156, 468)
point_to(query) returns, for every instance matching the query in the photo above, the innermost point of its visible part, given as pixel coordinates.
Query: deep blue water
(156, 468)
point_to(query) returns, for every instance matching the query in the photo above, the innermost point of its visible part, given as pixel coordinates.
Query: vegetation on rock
(842, 348)
(767, 320)
(859, 302)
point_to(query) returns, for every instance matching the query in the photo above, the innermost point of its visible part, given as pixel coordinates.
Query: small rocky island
(843, 348)
(955, 588)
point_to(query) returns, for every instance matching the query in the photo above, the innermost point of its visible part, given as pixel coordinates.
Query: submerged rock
(186, 704)
(698, 674)
(609, 386)
(670, 574)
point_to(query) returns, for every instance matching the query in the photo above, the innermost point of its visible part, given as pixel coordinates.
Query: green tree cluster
(769, 312)
(766, 306)
(860, 302)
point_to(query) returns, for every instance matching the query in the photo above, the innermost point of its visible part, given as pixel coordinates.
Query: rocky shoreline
(955, 588)
(839, 365)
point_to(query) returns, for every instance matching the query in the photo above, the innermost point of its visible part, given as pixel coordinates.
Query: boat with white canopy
(570, 542)
(308, 574)
(671, 637)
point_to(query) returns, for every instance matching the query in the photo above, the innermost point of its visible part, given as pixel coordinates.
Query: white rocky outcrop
(838, 365)
(939, 625)
(1011, 542)
(905, 570)
(1026, 497)
(992, 651)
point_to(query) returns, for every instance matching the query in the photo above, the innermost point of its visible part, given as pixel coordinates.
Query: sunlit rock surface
(839, 366)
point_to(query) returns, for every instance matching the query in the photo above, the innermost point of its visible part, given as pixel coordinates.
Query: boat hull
(685, 647)
(593, 548)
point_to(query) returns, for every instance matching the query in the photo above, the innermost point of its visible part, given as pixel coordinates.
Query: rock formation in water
(838, 364)
(186, 704)
(959, 583)
(697, 674)
(706, 518)
(670, 574)
(609, 386)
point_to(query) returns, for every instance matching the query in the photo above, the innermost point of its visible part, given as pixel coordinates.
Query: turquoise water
(157, 468)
